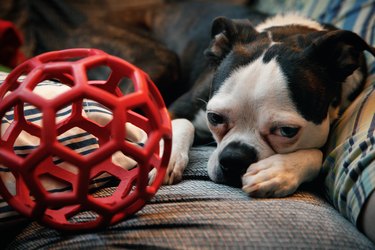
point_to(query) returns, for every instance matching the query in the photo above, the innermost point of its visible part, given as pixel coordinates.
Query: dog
(268, 99)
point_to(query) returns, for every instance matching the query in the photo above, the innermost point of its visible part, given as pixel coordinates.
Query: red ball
(50, 176)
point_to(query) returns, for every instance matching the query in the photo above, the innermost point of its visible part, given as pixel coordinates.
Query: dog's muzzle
(234, 160)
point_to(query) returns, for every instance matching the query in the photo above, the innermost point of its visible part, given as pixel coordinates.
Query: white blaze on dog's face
(253, 107)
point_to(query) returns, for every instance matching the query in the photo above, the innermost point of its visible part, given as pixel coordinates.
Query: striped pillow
(350, 161)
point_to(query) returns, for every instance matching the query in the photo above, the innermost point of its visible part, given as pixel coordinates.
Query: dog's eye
(214, 118)
(288, 132)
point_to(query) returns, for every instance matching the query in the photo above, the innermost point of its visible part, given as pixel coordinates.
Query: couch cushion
(198, 213)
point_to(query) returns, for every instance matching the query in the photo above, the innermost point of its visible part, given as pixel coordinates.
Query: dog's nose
(234, 160)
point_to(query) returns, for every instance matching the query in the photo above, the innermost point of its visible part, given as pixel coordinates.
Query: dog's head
(274, 87)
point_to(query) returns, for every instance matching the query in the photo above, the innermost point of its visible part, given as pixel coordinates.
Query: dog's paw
(271, 177)
(176, 167)
(280, 175)
(183, 136)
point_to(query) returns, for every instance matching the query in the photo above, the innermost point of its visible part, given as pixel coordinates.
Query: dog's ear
(225, 33)
(339, 50)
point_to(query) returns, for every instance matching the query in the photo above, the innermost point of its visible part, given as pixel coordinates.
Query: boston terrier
(266, 91)
(268, 99)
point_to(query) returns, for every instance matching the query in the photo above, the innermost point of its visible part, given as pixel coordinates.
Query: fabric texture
(200, 214)
(350, 164)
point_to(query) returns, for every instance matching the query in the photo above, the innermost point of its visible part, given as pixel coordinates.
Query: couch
(200, 214)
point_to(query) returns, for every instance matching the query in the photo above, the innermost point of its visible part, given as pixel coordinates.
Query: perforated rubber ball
(76, 152)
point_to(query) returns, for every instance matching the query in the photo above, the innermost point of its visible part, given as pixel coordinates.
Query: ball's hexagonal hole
(99, 73)
(25, 144)
(56, 180)
(21, 129)
(103, 77)
(159, 155)
(135, 135)
(8, 179)
(54, 184)
(58, 162)
(121, 165)
(17, 188)
(14, 81)
(116, 189)
(97, 112)
(83, 216)
(126, 85)
(21, 78)
(79, 140)
(6, 121)
(104, 179)
(156, 162)
(121, 160)
(64, 114)
(51, 88)
(128, 187)
(138, 128)
(115, 181)
(143, 116)
(32, 114)
(83, 126)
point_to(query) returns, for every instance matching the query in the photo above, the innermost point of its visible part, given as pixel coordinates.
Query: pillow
(349, 164)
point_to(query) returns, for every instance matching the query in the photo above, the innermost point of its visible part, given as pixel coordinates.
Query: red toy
(143, 108)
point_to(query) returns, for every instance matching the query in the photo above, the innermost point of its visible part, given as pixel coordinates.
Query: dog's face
(252, 117)
(273, 90)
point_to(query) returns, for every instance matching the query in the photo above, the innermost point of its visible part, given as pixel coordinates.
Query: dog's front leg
(281, 174)
(183, 137)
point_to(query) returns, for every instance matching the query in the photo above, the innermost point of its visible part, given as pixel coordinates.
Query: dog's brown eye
(214, 118)
(289, 132)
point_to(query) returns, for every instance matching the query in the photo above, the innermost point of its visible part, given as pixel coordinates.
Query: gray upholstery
(198, 213)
